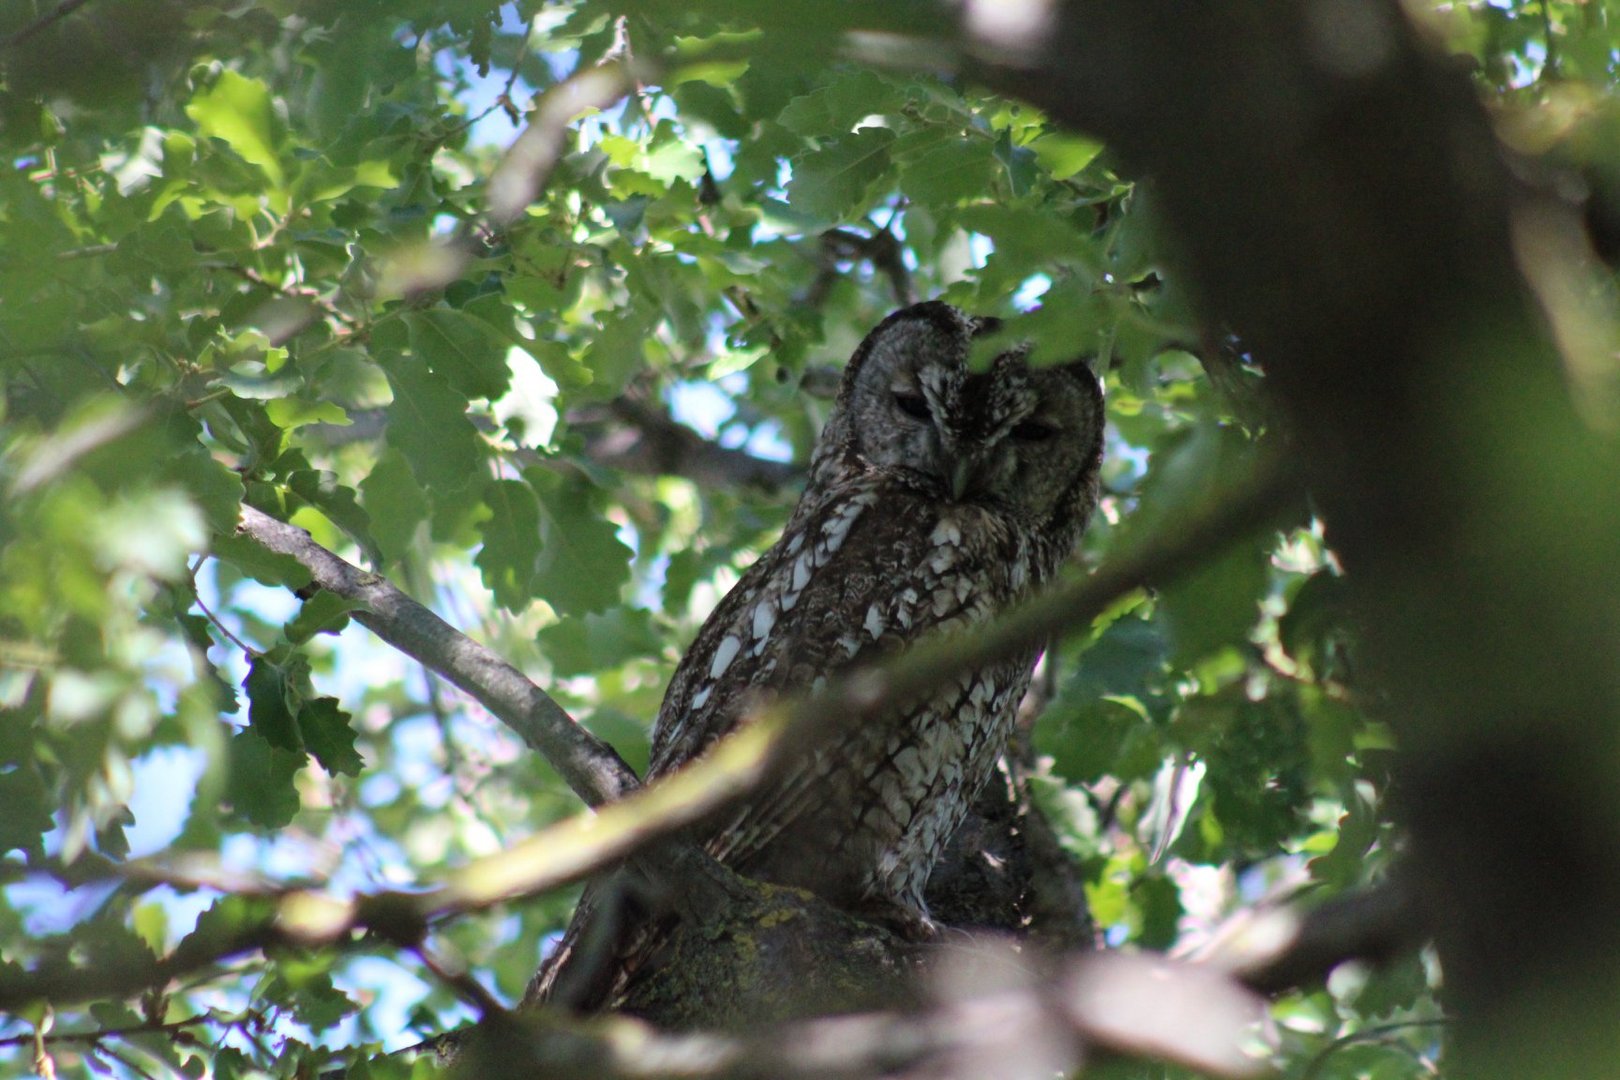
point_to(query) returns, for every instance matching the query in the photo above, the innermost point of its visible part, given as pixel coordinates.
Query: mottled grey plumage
(937, 497)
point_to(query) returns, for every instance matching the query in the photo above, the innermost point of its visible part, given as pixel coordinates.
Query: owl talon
(909, 923)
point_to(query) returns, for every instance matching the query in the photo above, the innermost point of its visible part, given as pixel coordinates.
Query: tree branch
(632, 436)
(529, 161)
(590, 766)
(991, 1015)
(1285, 948)
(650, 442)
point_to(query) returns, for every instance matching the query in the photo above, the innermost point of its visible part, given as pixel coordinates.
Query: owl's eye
(913, 405)
(1033, 431)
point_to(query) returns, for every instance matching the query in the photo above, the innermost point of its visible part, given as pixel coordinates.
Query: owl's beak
(961, 476)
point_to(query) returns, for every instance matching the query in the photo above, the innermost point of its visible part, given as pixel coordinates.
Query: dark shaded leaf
(327, 735)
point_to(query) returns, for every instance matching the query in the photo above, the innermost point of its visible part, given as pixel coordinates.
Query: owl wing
(864, 574)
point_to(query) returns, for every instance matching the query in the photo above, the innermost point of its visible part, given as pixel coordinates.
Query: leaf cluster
(247, 259)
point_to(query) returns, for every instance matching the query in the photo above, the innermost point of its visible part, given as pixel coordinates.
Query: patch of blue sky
(165, 785)
(391, 993)
(49, 908)
(1029, 294)
(719, 154)
(701, 406)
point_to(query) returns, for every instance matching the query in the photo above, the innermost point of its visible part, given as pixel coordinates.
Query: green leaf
(25, 810)
(261, 789)
(327, 735)
(262, 565)
(1218, 604)
(292, 412)
(322, 490)
(199, 633)
(1158, 906)
(614, 353)
(215, 489)
(942, 168)
(323, 613)
(228, 919)
(511, 542)
(395, 504)
(835, 109)
(558, 363)
(582, 565)
(1105, 737)
(1030, 237)
(1063, 155)
(237, 110)
(599, 641)
(830, 183)
(461, 348)
(272, 698)
(427, 422)
(305, 989)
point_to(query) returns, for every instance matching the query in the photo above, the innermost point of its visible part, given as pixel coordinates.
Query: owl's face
(1022, 441)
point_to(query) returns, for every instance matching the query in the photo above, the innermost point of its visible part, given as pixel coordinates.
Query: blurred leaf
(215, 489)
(1217, 604)
(259, 563)
(593, 642)
(829, 182)
(322, 490)
(940, 168)
(307, 992)
(394, 503)
(25, 809)
(1158, 906)
(582, 564)
(511, 548)
(238, 111)
(324, 612)
(834, 109)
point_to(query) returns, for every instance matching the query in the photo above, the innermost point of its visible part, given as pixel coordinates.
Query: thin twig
(462, 982)
(196, 598)
(503, 100)
(99, 1034)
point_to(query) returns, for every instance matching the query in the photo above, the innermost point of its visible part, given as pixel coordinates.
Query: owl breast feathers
(938, 496)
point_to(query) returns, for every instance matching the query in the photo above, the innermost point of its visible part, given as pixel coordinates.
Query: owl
(937, 497)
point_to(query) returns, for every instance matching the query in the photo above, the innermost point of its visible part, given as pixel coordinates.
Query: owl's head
(1023, 441)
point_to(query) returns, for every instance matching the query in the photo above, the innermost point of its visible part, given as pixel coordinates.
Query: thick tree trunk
(1340, 200)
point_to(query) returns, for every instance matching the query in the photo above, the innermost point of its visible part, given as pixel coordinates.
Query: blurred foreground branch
(990, 1015)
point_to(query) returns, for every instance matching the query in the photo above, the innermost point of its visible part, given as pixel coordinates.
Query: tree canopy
(529, 313)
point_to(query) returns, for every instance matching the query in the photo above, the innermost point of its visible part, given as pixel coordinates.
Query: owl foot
(905, 921)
